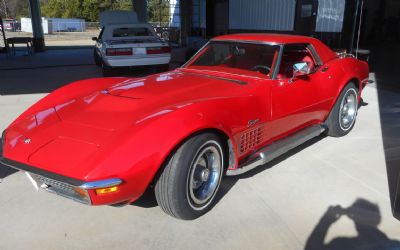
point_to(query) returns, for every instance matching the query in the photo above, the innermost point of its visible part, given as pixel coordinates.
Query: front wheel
(190, 181)
(343, 115)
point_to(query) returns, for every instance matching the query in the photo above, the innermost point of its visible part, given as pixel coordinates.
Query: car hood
(132, 100)
(63, 138)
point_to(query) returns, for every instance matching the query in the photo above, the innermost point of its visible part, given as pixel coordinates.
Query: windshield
(236, 57)
(131, 32)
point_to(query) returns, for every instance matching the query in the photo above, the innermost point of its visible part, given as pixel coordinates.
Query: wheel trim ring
(191, 173)
(353, 109)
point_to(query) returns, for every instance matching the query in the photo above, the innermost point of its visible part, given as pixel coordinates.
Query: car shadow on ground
(229, 181)
(366, 217)
(4, 170)
(48, 71)
(148, 199)
(49, 78)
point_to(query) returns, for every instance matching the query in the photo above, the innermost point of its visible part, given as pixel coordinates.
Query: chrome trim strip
(194, 56)
(246, 41)
(276, 149)
(101, 184)
(61, 178)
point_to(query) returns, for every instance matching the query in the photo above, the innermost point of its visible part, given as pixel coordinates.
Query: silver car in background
(123, 42)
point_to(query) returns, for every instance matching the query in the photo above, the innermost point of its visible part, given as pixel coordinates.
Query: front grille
(62, 189)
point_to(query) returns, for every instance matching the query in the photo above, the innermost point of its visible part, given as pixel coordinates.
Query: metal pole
(353, 33)
(359, 27)
(36, 20)
(4, 35)
(140, 6)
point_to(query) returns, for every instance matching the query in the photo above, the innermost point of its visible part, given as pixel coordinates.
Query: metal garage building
(333, 21)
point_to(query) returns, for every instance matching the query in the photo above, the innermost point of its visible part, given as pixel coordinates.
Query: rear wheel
(96, 57)
(190, 181)
(106, 70)
(343, 115)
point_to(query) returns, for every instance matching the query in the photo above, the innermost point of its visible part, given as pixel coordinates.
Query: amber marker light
(100, 191)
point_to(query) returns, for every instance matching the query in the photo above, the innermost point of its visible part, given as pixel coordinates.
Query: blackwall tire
(187, 187)
(106, 70)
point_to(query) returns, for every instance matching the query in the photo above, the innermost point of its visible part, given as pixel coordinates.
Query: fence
(81, 33)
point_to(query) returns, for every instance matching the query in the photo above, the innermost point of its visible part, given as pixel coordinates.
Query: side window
(293, 54)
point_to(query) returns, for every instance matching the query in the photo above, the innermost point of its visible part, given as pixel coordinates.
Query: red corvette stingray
(241, 101)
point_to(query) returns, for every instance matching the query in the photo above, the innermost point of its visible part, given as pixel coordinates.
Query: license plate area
(139, 51)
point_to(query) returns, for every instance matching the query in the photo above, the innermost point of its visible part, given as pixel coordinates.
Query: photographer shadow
(366, 217)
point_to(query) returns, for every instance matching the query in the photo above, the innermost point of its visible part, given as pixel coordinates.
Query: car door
(297, 101)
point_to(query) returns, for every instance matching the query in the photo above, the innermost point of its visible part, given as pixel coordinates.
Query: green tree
(158, 11)
(86, 9)
(16, 8)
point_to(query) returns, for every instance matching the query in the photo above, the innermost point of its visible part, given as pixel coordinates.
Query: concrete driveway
(291, 203)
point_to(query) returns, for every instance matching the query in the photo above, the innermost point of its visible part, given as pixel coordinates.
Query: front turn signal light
(106, 190)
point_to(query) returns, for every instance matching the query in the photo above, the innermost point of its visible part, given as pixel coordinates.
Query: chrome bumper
(67, 187)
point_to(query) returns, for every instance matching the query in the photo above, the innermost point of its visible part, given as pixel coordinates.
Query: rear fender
(358, 74)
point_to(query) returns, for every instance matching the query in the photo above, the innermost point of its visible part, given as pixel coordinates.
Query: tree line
(85, 9)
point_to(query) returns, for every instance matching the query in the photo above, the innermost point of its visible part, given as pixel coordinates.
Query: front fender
(137, 155)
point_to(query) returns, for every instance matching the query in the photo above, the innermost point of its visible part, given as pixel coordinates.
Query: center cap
(205, 174)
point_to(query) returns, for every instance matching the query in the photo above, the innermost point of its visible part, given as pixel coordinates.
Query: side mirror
(94, 39)
(301, 69)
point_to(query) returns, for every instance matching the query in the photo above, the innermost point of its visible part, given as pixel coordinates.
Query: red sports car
(241, 101)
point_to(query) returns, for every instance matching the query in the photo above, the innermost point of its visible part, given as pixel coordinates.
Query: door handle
(325, 69)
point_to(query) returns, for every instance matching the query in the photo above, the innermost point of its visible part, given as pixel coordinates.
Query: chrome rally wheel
(189, 182)
(205, 175)
(348, 109)
(343, 115)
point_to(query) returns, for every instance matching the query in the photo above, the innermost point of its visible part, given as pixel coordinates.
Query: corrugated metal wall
(198, 13)
(262, 14)
(330, 15)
